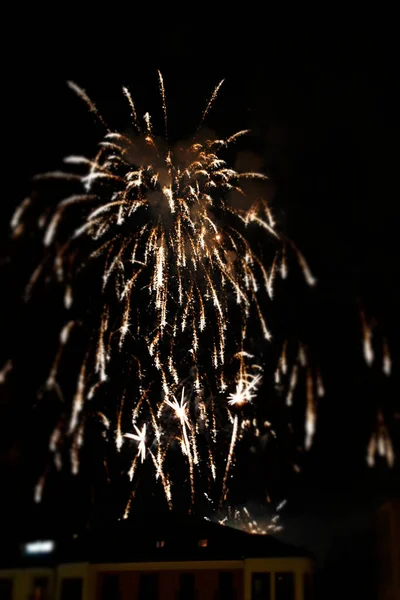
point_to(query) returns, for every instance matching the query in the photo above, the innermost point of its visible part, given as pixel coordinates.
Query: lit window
(160, 544)
(203, 543)
(39, 547)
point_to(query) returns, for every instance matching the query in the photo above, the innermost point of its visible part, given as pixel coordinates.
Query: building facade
(223, 564)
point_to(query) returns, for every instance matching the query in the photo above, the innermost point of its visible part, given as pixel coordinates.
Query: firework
(367, 340)
(380, 443)
(241, 518)
(387, 361)
(172, 235)
(6, 369)
(139, 436)
(287, 380)
(310, 411)
(244, 391)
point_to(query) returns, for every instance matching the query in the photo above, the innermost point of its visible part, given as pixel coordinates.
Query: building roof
(161, 539)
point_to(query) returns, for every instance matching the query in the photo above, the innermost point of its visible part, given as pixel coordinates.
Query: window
(261, 586)
(225, 586)
(160, 544)
(6, 589)
(186, 591)
(39, 547)
(110, 587)
(148, 586)
(284, 586)
(71, 588)
(203, 543)
(40, 588)
(308, 586)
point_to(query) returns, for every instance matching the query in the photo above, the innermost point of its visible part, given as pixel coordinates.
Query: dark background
(322, 102)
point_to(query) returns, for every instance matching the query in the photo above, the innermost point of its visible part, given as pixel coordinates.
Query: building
(388, 546)
(170, 560)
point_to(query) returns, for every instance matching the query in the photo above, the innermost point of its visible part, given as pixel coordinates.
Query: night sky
(322, 110)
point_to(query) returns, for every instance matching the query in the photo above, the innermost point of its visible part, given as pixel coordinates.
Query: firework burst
(166, 232)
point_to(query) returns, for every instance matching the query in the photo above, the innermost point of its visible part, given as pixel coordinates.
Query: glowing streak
(17, 216)
(118, 437)
(164, 105)
(283, 266)
(132, 469)
(5, 371)
(139, 436)
(320, 385)
(68, 297)
(283, 359)
(78, 398)
(166, 483)
(128, 505)
(387, 361)
(39, 489)
(367, 341)
(281, 505)
(180, 410)
(380, 443)
(229, 460)
(52, 226)
(213, 96)
(270, 283)
(252, 217)
(132, 105)
(292, 385)
(302, 355)
(308, 276)
(310, 412)
(82, 94)
(54, 438)
(243, 391)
